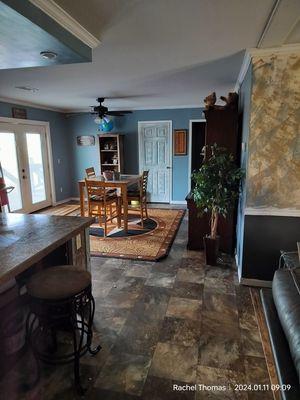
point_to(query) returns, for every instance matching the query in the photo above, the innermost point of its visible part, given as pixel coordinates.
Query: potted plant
(217, 186)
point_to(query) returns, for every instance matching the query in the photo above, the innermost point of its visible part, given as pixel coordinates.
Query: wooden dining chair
(140, 195)
(90, 172)
(103, 203)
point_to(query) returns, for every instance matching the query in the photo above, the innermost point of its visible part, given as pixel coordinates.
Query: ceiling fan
(102, 111)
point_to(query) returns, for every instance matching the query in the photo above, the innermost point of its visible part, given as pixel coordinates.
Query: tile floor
(159, 324)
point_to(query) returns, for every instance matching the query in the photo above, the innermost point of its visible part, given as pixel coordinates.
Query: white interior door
(155, 155)
(25, 165)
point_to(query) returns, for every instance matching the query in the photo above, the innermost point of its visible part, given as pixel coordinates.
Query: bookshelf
(111, 152)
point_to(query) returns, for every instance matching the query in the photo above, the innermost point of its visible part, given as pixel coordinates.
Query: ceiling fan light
(98, 120)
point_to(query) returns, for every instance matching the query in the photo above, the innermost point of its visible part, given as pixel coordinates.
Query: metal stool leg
(90, 328)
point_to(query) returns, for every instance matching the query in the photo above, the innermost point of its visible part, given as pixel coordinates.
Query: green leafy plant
(217, 186)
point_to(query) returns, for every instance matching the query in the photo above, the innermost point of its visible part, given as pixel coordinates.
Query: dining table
(122, 183)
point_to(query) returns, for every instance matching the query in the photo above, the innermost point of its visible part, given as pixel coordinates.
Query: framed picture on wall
(87, 140)
(180, 142)
(19, 113)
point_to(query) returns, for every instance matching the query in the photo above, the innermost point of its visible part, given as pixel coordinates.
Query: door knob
(169, 167)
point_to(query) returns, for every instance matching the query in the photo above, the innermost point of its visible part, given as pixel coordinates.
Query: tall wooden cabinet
(221, 128)
(111, 152)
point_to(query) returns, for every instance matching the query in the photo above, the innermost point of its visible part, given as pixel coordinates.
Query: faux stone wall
(274, 141)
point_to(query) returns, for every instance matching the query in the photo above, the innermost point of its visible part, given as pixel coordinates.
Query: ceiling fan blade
(115, 114)
(118, 112)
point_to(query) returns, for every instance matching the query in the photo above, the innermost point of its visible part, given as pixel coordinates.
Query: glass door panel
(25, 165)
(36, 167)
(10, 168)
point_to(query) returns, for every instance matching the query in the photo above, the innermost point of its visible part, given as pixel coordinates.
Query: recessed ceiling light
(27, 88)
(48, 55)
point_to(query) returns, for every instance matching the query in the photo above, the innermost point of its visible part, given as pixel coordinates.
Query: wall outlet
(58, 161)
(61, 189)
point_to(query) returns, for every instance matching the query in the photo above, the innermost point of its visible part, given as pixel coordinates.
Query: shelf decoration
(180, 142)
(86, 140)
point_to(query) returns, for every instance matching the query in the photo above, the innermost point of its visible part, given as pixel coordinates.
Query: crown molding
(29, 104)
(255, 52)
(64, 19)
(25, 103)
(284, 49)
(244, 68)
(86, 110)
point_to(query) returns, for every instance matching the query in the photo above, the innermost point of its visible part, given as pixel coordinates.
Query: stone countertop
(27, 238)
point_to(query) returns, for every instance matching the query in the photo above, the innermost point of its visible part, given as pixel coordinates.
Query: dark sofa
(281, 306)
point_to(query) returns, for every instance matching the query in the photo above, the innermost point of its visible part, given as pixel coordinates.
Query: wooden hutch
(221, 128)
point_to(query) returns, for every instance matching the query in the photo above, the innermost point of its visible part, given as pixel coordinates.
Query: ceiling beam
(59, 15)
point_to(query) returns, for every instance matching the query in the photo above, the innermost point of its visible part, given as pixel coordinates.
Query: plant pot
(211, 248)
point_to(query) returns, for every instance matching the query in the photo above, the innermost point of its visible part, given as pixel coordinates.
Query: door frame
(190, 148)
(46, 125)
(170, 123)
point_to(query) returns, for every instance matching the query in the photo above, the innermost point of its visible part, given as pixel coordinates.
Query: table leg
(81, 194)
(125, 206)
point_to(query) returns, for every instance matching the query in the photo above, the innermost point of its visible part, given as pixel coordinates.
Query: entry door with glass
(25, 166)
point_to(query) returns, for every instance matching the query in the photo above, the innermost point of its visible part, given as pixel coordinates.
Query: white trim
(179, 202)
(255, 282)
(190, 149)
(64, 19)
(169, 107)
(239, 269)
(170, 122)
(244, 68)
(46, 125)
(26, 103)
(255, 52)
(284, 49)
(29, 104)
(272, 211)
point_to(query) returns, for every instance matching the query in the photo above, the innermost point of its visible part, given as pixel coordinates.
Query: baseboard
(255, 282)
(57, 203)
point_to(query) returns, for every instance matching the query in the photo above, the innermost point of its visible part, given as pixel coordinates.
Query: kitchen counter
(25, 239)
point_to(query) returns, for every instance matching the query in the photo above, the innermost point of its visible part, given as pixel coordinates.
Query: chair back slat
(144, 183)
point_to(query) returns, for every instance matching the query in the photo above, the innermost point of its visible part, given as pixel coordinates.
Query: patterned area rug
(149, 243)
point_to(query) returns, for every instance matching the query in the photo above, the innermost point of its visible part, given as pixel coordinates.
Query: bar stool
(60, 299)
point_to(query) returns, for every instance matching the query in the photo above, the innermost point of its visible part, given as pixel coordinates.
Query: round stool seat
(57, 283)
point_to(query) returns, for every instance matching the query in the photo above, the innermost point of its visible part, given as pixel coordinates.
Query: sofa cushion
(286, 295)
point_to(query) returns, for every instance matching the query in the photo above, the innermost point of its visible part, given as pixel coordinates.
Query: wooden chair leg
(146, 209)
(142, 215)
(118, 207)
(105, 220)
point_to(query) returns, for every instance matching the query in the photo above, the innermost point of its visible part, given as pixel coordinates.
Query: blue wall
(82, 157)
(60, 144)
(74, 159)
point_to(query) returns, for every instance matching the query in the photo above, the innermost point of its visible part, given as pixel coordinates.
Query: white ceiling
(153, 54)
